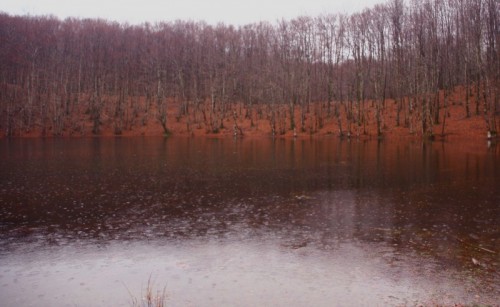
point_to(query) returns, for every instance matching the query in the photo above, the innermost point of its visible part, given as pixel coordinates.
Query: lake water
(250, 222)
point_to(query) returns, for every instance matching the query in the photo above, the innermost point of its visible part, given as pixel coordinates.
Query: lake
(249, 222)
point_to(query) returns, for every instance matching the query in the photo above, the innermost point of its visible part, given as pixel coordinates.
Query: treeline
(413, 52)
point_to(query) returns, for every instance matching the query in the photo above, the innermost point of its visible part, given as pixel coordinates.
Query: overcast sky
(137, 11)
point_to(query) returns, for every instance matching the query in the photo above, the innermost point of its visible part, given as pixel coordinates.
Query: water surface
(249, 222)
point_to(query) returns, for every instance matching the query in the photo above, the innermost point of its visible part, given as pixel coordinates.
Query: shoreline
(259, 122)
(302, 136)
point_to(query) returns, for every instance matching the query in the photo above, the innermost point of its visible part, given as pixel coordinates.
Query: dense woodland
(56, 75)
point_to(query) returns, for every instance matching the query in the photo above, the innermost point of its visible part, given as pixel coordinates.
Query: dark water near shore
(222, 222)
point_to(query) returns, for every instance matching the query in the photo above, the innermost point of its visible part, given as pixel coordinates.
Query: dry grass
(150, 297)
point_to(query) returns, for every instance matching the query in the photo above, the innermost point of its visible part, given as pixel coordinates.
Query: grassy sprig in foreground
(150, 297)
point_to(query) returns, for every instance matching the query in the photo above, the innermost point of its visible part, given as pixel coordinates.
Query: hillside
(394, 69)
(257, 122)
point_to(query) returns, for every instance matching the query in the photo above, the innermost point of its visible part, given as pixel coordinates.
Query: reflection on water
(249, 222)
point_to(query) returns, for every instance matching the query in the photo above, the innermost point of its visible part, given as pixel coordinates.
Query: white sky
(230, 12)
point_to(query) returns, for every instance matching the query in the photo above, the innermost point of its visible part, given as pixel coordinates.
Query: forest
(77, 76)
